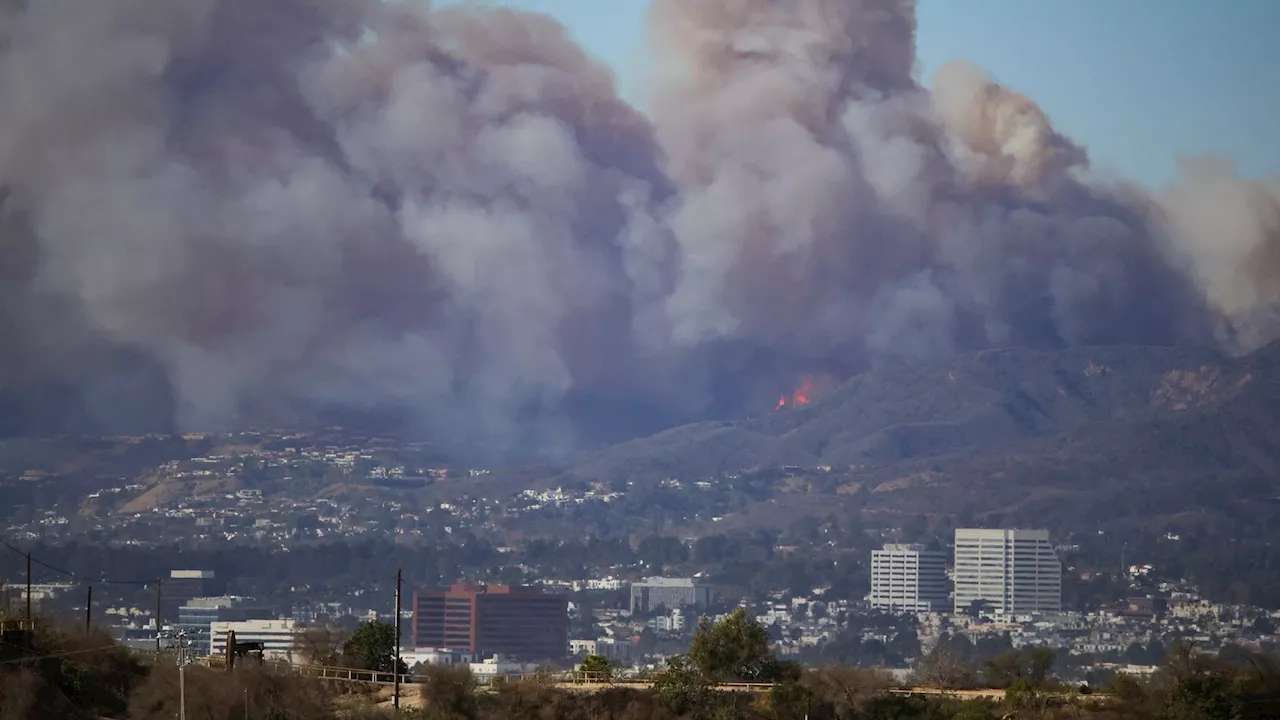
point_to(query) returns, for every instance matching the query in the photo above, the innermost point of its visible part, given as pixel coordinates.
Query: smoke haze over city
(229, 213)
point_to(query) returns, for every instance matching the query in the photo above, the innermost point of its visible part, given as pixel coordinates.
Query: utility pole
(246, 704)
(158, 615)
(231, 651)
(182, 639)
(182, 678)
(395, 668)
(28, 586)
(88, 610)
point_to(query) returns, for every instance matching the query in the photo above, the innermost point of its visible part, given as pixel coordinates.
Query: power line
(69, 653)
(370, 586)
(68, 573)
(33, 655)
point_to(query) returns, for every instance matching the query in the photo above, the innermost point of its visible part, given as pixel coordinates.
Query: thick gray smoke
(218, 213)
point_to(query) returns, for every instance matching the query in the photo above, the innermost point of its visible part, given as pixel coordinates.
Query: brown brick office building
(515, 621)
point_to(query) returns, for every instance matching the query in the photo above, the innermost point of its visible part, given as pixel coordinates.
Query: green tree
(1234, 654)
(1031, 665)
(790, 699)
(736, 649)
(1025, 700)
(648, 641)
(597, 667)
(819, 610)
(1202, 697)
(1040, 662)
(373, 647)
(1135, 654)
(682, 687)
(975, 709)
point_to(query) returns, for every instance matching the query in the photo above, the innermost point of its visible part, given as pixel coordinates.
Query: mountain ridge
(987, 398)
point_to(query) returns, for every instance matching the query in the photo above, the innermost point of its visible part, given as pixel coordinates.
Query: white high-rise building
(908, 578)
(1009, 571)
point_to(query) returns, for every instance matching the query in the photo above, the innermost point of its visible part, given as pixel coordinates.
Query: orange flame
(801, 395)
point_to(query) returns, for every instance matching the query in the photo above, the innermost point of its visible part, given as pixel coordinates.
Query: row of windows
(1054, 591)
(995, 560)
(1006, 574)
(967, 597)
(1005, 552)
(962, 543)
(1021, 547)
(1003, 559)
(998, 572)
(1024, 575)
(1038, 587)
(970, 551)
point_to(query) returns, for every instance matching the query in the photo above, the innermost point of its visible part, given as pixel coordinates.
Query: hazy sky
(1136, 81)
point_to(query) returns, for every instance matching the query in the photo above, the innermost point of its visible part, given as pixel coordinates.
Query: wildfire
(802, 395)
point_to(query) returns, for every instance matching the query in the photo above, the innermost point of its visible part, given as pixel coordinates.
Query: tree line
(57, 672)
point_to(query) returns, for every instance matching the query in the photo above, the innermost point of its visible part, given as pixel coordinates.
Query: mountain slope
(991, 400)
(1089, 438)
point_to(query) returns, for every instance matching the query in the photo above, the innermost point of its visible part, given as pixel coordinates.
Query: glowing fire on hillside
(803, 395)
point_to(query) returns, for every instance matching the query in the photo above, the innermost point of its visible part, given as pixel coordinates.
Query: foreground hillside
(70, 674)
(1136, 432)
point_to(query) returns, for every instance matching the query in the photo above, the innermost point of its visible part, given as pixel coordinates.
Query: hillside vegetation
(67, 674)
(1142, 431)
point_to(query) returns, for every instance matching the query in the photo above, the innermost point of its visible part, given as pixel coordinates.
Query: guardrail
(619, 678)
(579, 679)
(575, 678)
(994, 694)
(327, 672)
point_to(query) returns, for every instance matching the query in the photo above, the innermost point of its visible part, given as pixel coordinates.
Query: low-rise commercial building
(196, 618)
(278, 637)
(650, 594)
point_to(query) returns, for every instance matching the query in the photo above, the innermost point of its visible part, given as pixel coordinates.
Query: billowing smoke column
(220, 213)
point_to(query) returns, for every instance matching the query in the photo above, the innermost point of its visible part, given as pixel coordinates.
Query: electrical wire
(68, 573)
(359, 588)
(365, 587)
(50, 656)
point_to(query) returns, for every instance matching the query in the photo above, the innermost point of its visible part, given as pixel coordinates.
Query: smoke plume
(224, 213)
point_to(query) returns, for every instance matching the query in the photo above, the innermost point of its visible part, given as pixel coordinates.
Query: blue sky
(1138, 82)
